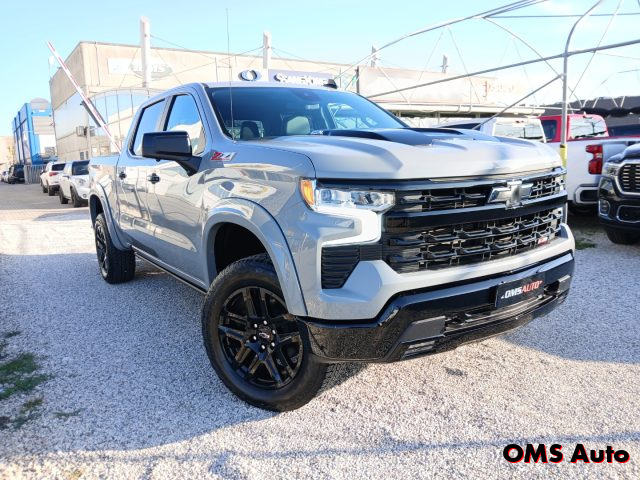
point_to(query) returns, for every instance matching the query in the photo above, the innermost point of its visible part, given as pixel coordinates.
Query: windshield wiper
(594, 134)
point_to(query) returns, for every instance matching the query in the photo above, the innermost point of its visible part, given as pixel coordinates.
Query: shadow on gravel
(81, 213)
(128, 364)
(599, 320)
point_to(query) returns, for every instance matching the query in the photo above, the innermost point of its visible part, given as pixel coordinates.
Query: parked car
(50, 177)
(589, 146)
(318, 244)
(15, 174)
(514, 127)
(4, 175)
(74, 183)
(619, 196)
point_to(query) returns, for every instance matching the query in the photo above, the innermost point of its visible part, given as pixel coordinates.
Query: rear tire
(63, 199)
(75, 199)
(50, 191)
(242, 310)
(622, 237)
(116, 266)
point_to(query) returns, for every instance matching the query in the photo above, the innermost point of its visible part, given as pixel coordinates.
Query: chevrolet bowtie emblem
(512, 195)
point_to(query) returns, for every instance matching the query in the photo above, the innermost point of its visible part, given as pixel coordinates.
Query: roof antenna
(233, 135)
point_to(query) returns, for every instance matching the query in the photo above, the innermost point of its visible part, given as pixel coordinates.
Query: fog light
(604, 207)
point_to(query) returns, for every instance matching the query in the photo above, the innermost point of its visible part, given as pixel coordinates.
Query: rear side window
(550, 129)
(58, 167)
(80, 168)
(184, 117)
(149, 119)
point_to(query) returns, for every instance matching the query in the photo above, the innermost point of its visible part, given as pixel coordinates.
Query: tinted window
(148, 123)
(184, 117)
(80, 168)
(550, 129)
(58, 167)
(274, 111)
(624, 130)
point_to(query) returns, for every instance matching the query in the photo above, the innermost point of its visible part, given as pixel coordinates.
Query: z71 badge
(222, 156)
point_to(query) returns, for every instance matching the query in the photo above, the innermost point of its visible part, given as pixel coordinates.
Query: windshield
(58, 167)
(80, 168)
(260, 112)
(527, 131)
(586, 127)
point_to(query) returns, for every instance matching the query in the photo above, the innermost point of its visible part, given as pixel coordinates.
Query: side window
(184, 117)
(148, 123)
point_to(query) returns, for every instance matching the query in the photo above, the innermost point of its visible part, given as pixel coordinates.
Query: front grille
(630, 177)
(436, 225)
(457, 196)
(452, 245)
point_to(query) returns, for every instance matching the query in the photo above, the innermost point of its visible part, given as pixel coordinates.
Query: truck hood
(398, 155)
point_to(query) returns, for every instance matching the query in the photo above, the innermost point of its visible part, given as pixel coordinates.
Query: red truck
(589, 146)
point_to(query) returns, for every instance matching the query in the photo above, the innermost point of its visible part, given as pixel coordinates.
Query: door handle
(122, 175)
(153, 178)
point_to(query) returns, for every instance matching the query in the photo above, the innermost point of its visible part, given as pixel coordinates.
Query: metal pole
(374, 56)
(145, 45)
(487, 13)
(512, 65)
(565, 87)
(266, 50)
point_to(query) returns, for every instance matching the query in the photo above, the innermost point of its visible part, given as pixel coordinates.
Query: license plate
(513, 292)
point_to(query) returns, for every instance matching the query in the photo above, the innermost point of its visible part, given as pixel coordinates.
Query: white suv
(50, 178)
(74, 183)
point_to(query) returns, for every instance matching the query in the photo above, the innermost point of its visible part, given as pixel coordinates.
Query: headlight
(81, 181)
(319, 198)
(610, 169)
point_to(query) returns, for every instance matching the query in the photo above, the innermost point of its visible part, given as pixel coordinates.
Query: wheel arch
(98, 204)
(248, 216)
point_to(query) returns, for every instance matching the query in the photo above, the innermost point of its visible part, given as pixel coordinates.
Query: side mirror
(174, 146)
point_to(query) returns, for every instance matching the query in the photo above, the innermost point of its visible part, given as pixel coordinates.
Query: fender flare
(98, 193)
(259, 222)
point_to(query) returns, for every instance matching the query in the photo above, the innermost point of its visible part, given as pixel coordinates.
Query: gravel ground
(132, 395)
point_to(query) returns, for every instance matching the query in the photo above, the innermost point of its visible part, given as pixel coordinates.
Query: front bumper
(616, 210)
(83, 192)
(438, 319)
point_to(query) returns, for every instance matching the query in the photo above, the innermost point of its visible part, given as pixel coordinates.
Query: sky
(327, 30)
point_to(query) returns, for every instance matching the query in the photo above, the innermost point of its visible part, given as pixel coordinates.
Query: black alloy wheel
(102, 249)
(116, 266)
(259, 338)
(254, 343)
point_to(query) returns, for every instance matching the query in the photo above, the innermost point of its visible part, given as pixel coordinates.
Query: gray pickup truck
(323, 230)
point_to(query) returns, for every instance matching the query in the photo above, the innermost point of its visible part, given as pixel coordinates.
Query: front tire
(254, 344)
(50, 191)
(116, 266)
(622, 237)
(63, 199)
(44, 189)
(75, 199)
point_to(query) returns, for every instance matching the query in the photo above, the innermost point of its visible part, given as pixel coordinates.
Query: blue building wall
(25, 134)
